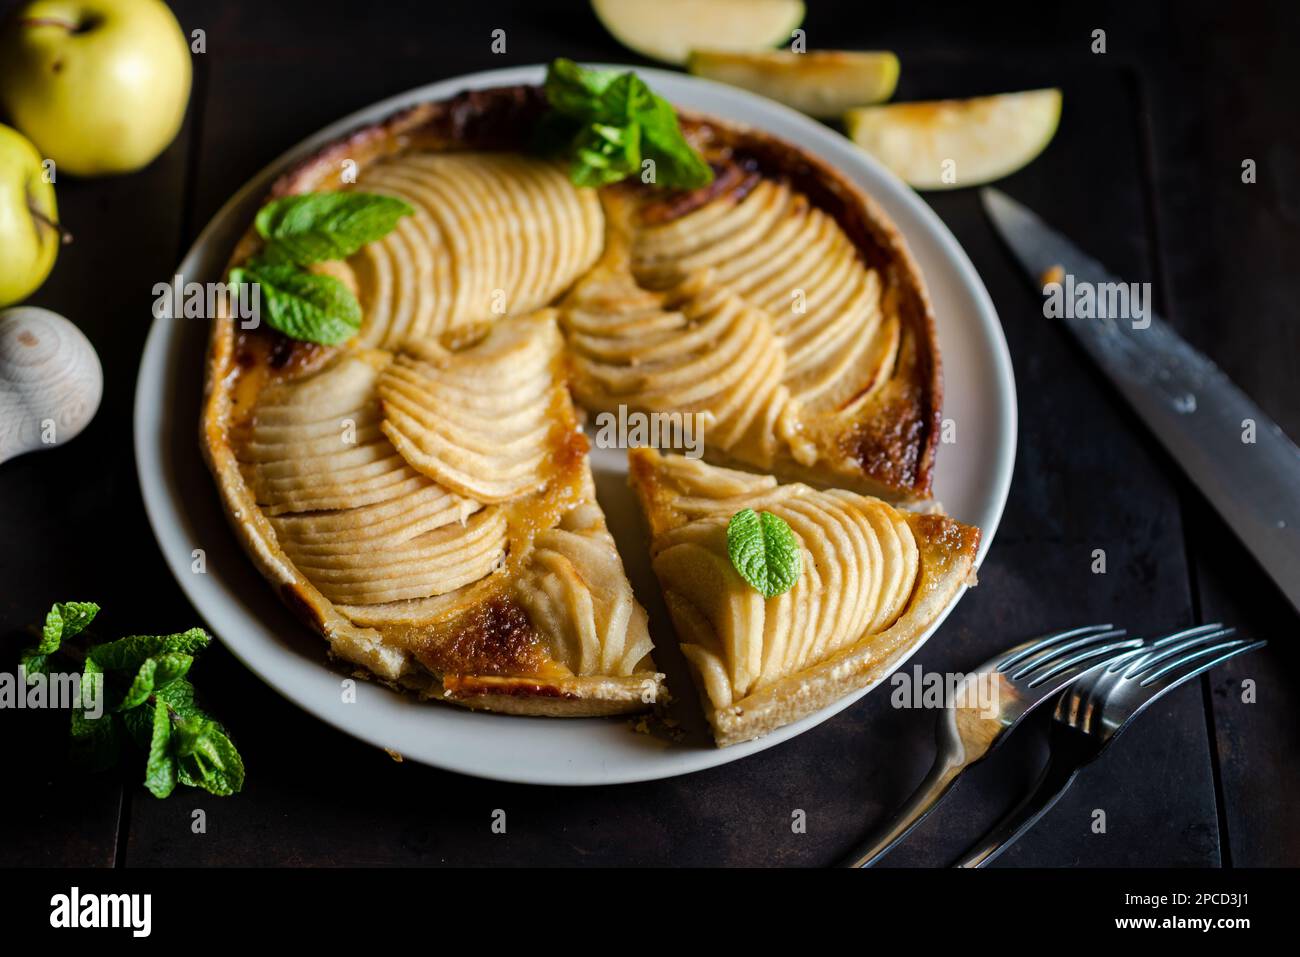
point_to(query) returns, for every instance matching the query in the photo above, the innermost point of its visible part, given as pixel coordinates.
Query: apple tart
(873, 580)
(420, 493)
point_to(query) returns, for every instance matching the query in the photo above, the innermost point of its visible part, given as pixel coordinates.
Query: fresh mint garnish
(303, 305)
(205, 757)
(64, 620)
(136, 689)
(312, 228)
(765, 551)
(316, 227)
(609, 124)
(128, 654)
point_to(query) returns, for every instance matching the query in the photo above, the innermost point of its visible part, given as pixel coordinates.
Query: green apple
(29, 234)
(669, 29)
(99, 85)
(945, 144)
(821, 83)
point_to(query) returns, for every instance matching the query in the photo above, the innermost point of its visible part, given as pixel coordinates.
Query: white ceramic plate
(972, 480)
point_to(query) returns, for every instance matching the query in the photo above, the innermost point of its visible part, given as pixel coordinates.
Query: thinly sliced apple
(823, 83)
(946, 144)
(668, 29)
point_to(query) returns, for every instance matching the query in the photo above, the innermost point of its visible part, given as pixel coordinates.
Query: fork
(1095, 711)
(1025, 676)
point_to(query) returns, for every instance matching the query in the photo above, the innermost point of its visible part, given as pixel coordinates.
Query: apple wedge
(946, 144)
(824, 83)
(667, 30)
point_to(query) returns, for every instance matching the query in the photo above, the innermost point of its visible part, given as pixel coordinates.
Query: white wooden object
(50, 381)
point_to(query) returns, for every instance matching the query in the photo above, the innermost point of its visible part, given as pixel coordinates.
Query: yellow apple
(99, 85)
(945, 144)
(29, 234)
(668, 29)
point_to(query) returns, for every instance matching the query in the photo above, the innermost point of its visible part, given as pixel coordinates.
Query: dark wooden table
(1145, 172)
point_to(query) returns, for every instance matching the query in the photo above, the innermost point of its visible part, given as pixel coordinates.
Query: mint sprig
(765, 551)
(313, 228)
(316, 227)
(146, 677)
(608, 123)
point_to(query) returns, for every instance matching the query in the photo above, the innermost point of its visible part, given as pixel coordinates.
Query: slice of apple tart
(443, 535)
(871, 581)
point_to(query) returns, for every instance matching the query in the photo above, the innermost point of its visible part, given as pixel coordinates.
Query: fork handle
(936, 784)
(1052, 783)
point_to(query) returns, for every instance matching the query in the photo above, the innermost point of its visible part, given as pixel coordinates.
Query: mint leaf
(765, 551)
(206, 757)
(141, 687)
(64, 620)
(160, 771)
(605, 154)
(607, 123)
(676, 161)
(179, 696)
(573, 90)
(128, 654)
(76, 616)
(153, 674)
(315, 227)
(303, 305)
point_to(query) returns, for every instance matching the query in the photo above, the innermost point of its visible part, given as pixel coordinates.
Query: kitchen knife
(1238, 457)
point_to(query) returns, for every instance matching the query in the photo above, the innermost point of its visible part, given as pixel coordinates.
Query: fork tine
(1203, 658)
(1074, 666)
(1164, 649)
(1194, 631)
(1052, 654)
(1120, 661)
(1036, 645)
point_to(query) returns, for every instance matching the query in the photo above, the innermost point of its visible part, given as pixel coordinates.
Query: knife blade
(1237, 456)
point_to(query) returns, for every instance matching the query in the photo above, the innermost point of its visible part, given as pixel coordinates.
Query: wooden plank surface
(1087, 477)
(1230, 253)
